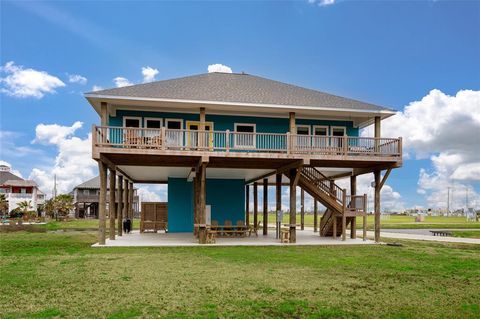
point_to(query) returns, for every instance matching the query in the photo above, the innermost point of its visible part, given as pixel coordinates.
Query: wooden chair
(284, 236)
(214, 224)
(131, 137)
(228, 229)
(253, 229)
(210, 236)
(240, 228)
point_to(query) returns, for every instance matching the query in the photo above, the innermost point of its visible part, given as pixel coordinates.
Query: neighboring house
(86, 197)
(210, 137)
(18, 190)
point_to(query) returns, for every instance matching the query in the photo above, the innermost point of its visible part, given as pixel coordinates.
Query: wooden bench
(441, 233)
(211, 236)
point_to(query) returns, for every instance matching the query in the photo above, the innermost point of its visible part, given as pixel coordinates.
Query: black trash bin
(127, 226)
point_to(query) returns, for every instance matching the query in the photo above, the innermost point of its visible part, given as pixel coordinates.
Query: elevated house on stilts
(213, 137)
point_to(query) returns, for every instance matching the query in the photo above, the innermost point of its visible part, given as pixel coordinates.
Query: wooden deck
(229, 145)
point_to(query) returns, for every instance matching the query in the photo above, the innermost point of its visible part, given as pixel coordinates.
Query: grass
(58, 275)
(393, 222)
(466, 234)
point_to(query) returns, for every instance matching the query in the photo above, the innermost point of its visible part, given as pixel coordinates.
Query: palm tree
(64, 204)
(24, 206)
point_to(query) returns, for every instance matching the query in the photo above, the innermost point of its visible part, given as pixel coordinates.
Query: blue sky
(390, 53)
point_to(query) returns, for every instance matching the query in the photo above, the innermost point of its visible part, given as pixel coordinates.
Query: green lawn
(58, 275)
(467, 234)
(390, 222)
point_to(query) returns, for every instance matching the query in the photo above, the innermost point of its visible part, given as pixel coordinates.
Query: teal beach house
(213, 138)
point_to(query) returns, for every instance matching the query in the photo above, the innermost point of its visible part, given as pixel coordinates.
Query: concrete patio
(306, 237)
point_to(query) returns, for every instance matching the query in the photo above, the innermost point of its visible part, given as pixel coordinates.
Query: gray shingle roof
(94, 183)
(236, 88)
(7, 176)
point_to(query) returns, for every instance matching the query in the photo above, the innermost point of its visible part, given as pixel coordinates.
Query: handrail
(251, 142)
(324, 183)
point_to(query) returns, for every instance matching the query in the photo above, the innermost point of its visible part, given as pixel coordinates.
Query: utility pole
(448, 200)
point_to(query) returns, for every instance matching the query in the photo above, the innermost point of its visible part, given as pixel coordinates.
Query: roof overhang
(360, 118)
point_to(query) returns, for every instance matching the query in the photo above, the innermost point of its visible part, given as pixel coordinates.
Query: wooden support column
(102, 202)
(292, 131)
(293, 204)
(302, 209)
(120, 205)
(112, 203)
(315, 215)
(377, 205)
(265, 206)
(353, 192)
(377, 129)
(130, 202)
(202, 230)
(103, 114)
(247, 205)
(365, 217)
(344, 217)
(125, 199)
(255, 205)
(202, 137)
(334, 226)
(278, 193)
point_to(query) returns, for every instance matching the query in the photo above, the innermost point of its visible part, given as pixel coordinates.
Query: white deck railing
(227, 141)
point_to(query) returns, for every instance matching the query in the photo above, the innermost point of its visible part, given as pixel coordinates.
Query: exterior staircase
(334, 198)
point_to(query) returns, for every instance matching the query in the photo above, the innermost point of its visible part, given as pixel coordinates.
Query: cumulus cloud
(152, 193)
(96, 88)
(446, 130)
(76, 78)
(149, 74)
(73, 163)
(121, 82)
(23, 83)
(219, 68)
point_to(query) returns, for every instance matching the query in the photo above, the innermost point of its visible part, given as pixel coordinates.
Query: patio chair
(228, 229)
(214, 224)
(131, 137)
(240, 228)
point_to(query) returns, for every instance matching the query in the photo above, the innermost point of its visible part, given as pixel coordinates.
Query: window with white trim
(337, 133)
(320, 138)
(303, 135)
(174, 137)
(245, 135)
(132, 122)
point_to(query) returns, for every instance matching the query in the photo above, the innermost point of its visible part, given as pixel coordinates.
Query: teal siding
(226, 197)
(227, 122)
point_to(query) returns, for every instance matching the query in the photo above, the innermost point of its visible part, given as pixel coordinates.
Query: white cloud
(152, 193)
(20, 82)
(73, 163)
(76, 78)
(149, 74)
(219, 68)
(446, 130)
(121, 82)
(322, 3)
(96, 88)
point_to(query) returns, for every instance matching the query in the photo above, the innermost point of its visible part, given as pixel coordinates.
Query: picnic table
(441, 233)
(229, 230)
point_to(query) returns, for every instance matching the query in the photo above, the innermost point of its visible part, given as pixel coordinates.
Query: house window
(174, 138)
(174, 124)
(86, 192)
(245, 135)
(303, 136)
(23, 190)
(154, 123)
(320, 136)
(337, 136)
(131, 122)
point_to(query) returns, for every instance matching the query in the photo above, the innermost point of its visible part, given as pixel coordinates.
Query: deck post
(120, 205)
(377, 129)
(344, 217)
(201, 134)
(315, 215)
(265, 206)
(130, 202)
(334, 235)
(302, 209)
(103, 114)
(102, 202)
(353, 193)
(377, 205)
(255, 205)
(125, 199)
(112, 203)
(293, 205)
(247, 205)
(292, 131)
(278, 193)
(364, 217)
(202, 230)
